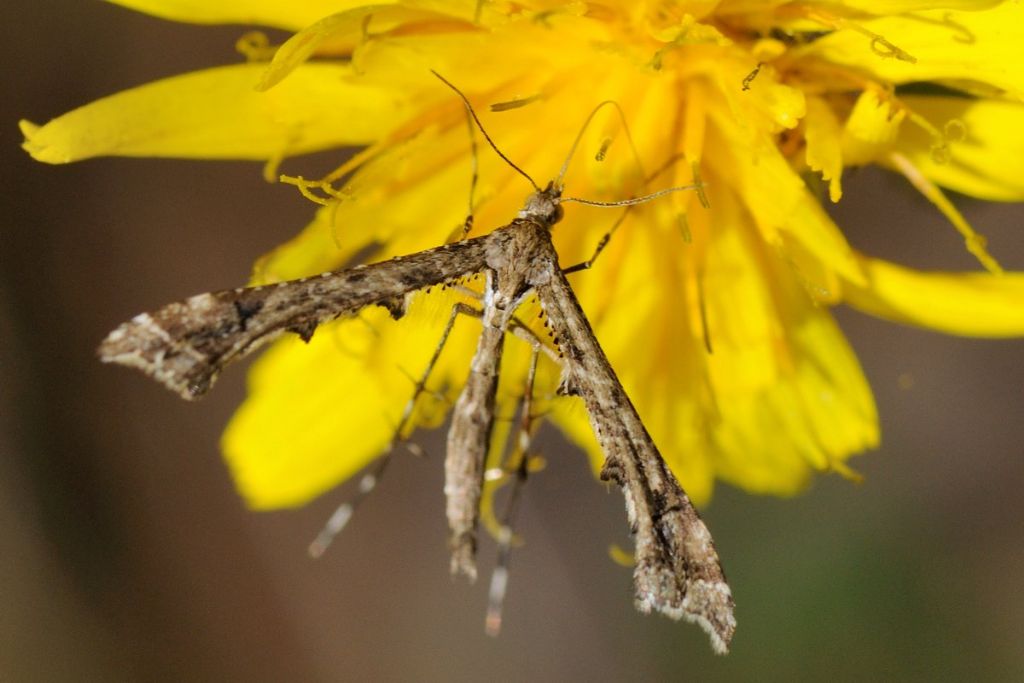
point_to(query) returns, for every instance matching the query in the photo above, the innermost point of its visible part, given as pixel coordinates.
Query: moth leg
(605, 239)
(469, 438)
(368, 482)
(517, 465)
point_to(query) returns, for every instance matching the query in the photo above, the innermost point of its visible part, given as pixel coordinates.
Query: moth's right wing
(186, 344)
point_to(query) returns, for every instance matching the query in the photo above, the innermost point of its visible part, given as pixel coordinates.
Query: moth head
(544, 206)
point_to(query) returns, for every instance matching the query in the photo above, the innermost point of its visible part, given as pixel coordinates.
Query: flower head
(712, 306)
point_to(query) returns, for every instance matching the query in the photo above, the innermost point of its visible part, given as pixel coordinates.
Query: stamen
(702, 306)
(306, 188)
(880, 45)
(255, 47)
(974, 242)
(749, 78)
(583, 129)
(516, 103)
(955, 130)
(363, 160)
(684, 227)
(271, 167)
(699, 185)
(694, 123)
(961, 34)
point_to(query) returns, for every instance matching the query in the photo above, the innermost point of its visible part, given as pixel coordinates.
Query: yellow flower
(716, 317)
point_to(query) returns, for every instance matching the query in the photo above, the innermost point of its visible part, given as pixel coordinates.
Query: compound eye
(559, 213)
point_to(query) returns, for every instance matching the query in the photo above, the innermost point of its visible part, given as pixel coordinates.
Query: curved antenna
(467, 225)
(487, 137)
(583, 129)
(635, 200)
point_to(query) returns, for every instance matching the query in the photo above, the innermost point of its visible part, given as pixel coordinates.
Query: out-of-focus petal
(984, 157)
(789, 393)
(903, 6)
(879, 7)
(824, 152)
(969, 304)
(338, 32)
(274, 13)
(976, 51)
(216, 114)
(317, 413)
(788, 216)
(870, 130)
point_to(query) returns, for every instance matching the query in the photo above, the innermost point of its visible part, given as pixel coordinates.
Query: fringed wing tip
(142, 344)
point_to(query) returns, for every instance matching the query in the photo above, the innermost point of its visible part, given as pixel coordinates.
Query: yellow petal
(300, 47)
(974, 242)
(780, 395)
(319, 412)
(814, 416)
(339, 32)
(969, 304)
(789, 392)
(983, 158)
(871, 129)
(975, 51)
(390, 202)
(789, 217)
(891, 7)
(216, 114)
(314, 250)
(285, 15)
(823, 133)
(879, 7)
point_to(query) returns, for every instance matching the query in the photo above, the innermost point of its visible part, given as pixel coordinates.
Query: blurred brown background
(126, 554)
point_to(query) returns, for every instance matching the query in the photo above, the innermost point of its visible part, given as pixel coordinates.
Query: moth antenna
(583, 129)
(499, 578)
(339, 519)
(634, 200)
(483, 131)
(475, 166)
(629, 204)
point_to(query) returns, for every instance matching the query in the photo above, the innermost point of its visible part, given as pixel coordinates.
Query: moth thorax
(543, 206)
